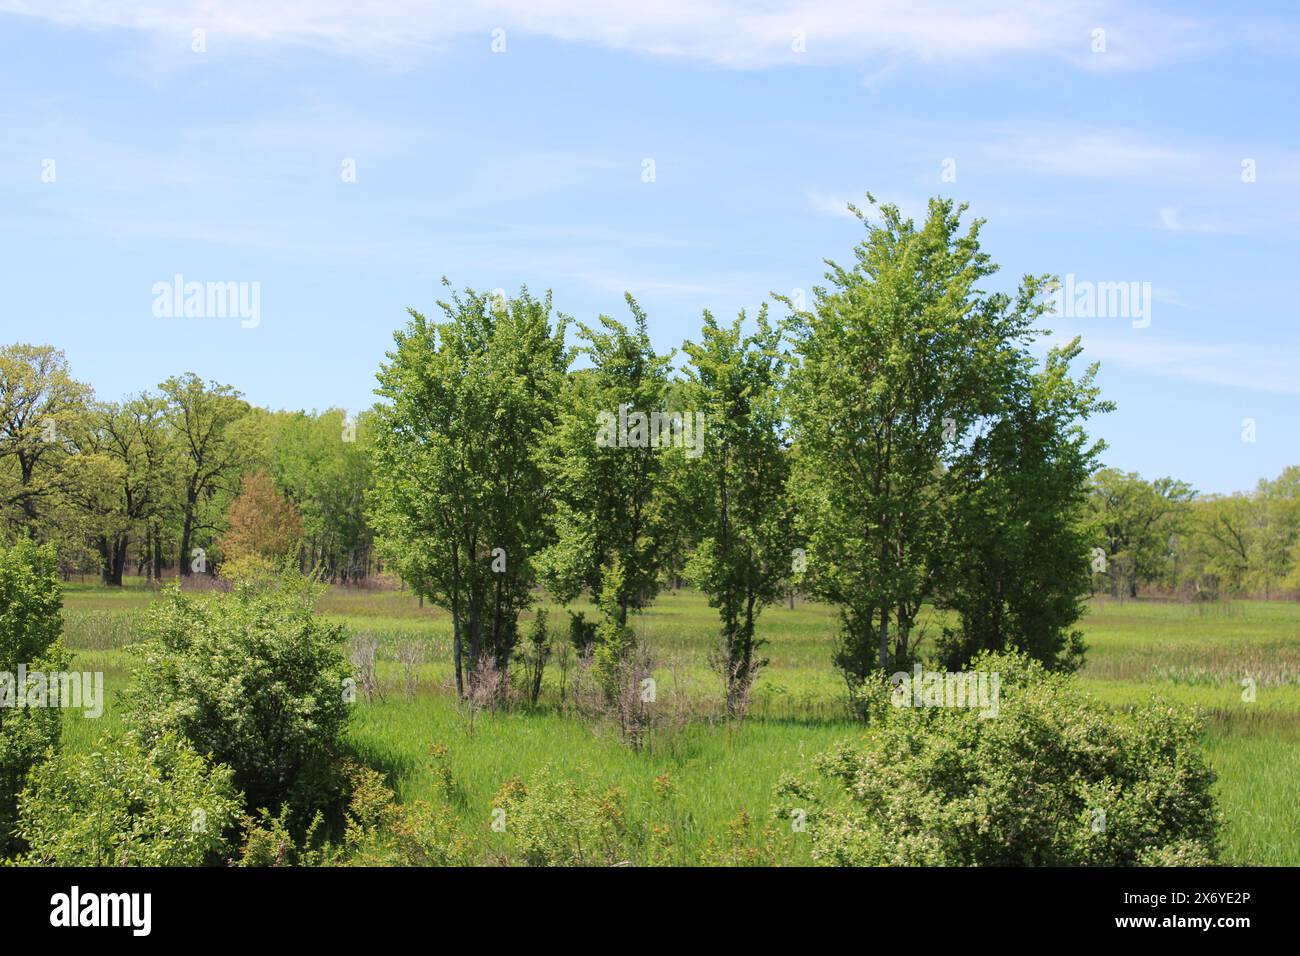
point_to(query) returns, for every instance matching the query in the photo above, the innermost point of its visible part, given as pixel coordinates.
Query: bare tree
(411, 655)
(363, 650)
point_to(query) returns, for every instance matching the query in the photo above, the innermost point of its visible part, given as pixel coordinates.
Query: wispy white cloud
(836, 204)
(1172, 219)
(1169, 297)
(739, 289)
(1101, 154)
(1270, 367)
(728, 33)
(833, 205)
(877, 78)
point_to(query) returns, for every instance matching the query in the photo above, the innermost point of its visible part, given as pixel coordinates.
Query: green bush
(744, 844)
(255, 680)
(582, 633)
(1054, 778)
(379, 832)
(562, 822)
(383, 832)
(128, 804)
(30, 628)
(269, 841)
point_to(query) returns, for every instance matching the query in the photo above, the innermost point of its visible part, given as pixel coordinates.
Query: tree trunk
(902, 633)
(187, 537)
(116, 563)
(105, 559)
(475, 643)
(456, 650)
(455, 621)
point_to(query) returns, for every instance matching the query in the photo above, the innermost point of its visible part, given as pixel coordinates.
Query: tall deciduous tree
(604, 466)
(1018, 565)
(459, 504)
(119, 475)
(1279, 544)
(1137, 521)
(323, 464)
(900, 356)
(904, 361)
(1227, 527)
(208, 458)
(40, 406)
(739, 505)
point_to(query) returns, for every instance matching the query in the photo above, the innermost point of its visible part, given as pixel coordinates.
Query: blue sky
(763, 120)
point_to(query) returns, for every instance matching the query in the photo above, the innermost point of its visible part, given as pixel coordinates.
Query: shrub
(363, 655)
(383, 832)
(747, 845)
(1055, 778)
(30, 628)
(251, 569)
(563, 821)
(536, 654)
(252, 678)
(379, 832)
(411, 655)
(269, 841)
(582, 633)
(127, 803)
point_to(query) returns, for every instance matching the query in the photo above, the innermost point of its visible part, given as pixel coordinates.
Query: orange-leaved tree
(262, 523)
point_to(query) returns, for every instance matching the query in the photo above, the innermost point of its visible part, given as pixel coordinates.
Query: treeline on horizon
(893, 446)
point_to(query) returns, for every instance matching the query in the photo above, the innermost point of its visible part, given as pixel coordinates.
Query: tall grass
(1184, 653)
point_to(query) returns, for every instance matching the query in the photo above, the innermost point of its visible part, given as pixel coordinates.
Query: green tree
(901, 358)
(40, 406)
(1227, 531)
(209, 460)
(460, 504)
(119, 477)
(739, 506)
(605, 461)
(1018, 565)
(1138, 523)
(1278, 546)
(31, 628)
(322, 463)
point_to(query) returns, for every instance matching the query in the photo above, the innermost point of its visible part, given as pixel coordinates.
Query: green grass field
(1191, 653)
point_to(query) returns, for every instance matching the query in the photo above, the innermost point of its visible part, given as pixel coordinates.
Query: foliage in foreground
(562, 821)
(1054, 779)
(30, 629)
(255, 680)
(128, 804)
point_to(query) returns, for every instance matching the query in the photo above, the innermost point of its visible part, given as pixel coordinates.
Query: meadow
(699, 776)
